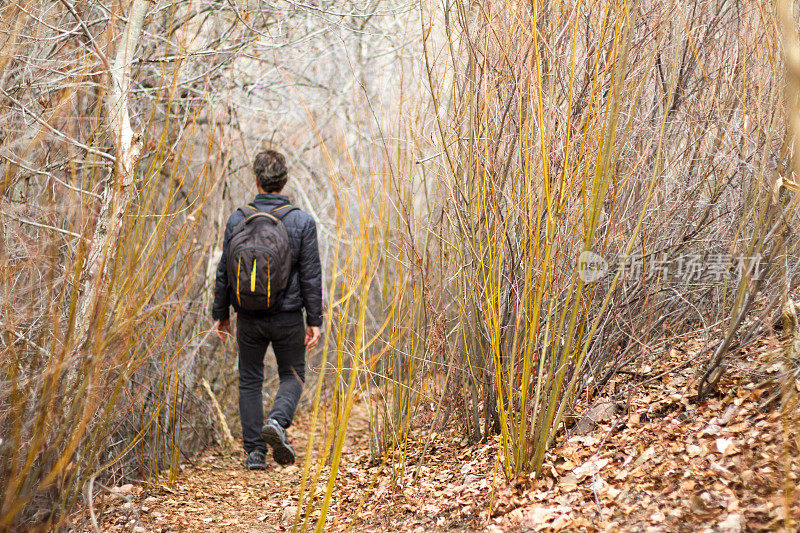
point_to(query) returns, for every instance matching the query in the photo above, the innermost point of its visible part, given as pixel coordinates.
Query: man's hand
(222, 327)
(312, 336)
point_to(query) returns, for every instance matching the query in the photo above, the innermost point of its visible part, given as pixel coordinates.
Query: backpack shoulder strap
(282, 211)
(248, 209)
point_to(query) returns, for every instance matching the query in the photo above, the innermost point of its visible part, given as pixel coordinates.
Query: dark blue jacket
(305, 283)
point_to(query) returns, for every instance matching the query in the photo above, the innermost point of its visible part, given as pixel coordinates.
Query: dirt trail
(648, 459)
(216, 492)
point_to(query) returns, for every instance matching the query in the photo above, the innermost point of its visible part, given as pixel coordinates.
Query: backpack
(260, 258)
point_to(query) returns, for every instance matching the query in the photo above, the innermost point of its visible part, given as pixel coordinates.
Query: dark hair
(270, 169)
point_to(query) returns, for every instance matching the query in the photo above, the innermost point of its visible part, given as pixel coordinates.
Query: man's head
(270, 170)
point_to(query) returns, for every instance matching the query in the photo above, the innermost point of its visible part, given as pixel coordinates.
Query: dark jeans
(287, 334)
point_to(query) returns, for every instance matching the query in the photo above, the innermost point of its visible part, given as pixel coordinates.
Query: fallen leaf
(123, 489)
(430, 509)
(589, 467)
(289, 513)
(733, 523)
(694, 450)
(568, 483)
(723, 444)
(698, 505)
(726, 418)
(645, 456)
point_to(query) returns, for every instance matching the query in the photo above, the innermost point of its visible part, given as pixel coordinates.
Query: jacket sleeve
(221, 308)
(311, 275)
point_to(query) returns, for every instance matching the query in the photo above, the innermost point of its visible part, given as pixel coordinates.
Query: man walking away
(269, 271)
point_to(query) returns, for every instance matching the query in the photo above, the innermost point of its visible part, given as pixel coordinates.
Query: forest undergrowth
(643, 457)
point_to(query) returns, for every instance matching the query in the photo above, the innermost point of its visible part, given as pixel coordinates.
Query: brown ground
(647, 460)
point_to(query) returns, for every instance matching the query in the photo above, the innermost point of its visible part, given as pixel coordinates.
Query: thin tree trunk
(116, 198)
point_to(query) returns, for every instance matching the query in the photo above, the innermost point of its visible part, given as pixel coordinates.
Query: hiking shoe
(274, 435)
(256, 460)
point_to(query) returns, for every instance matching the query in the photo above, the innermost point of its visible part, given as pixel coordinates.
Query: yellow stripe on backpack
(253, 277)
(238, 277)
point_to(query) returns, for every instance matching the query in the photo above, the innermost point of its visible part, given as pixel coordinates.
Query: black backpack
(260, 258)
